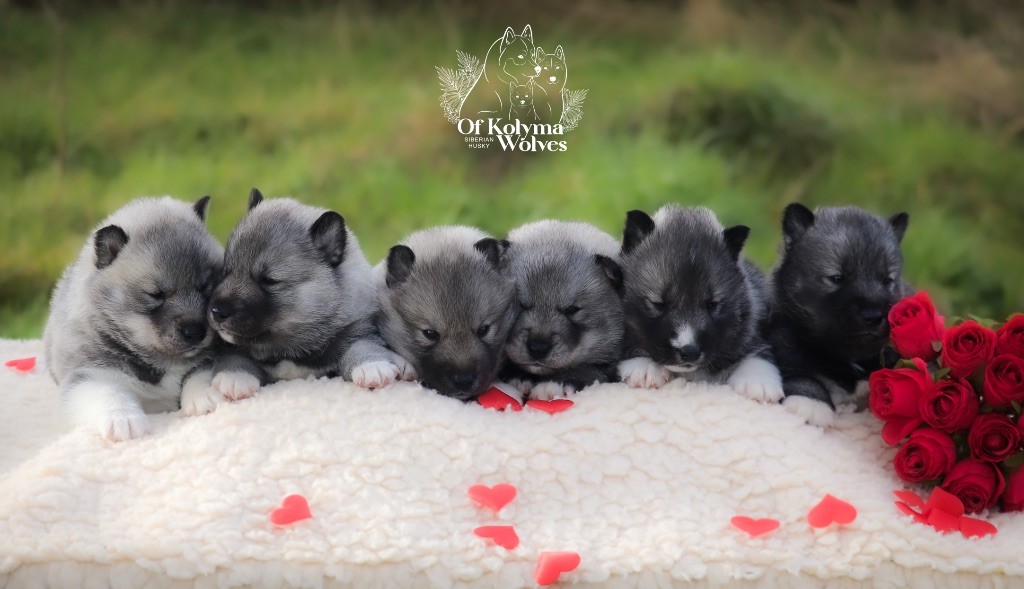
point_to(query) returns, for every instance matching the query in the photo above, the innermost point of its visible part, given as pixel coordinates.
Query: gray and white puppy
(127, 327)
(570, 326)
(448, 308)
(298, 299)
(694, 306)
(839, 273)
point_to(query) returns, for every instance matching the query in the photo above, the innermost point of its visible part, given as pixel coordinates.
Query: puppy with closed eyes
(570, 326)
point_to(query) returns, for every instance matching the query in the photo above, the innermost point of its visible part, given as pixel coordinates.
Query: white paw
(758, 380)
(236, 384)
(547, 390)
(376, 374)
(521, 385)
(813, 412)
(642, 373)
(198, 397)
(119, 425)
(406, 371)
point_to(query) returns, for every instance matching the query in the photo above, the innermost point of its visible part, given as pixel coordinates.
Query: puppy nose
(538, 348)
(552, 78)
(220, 312)
(536, 68)
(463, 380)
(689, 353)
(872, 317)
(192, 333)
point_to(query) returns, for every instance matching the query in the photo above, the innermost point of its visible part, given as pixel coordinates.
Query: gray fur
(120, 312)
(446, 280)
(568, 283)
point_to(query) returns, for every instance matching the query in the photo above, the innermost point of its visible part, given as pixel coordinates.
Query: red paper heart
(22, 364)
(943, 521)
(829, 510)
(755, 527)
(973, 527)
(909, 497)
(494, 398)
(494, 497)
(918, 517)
(294, 508)
(552, 406)
(943, 500)
(504, 536)
(551, 565)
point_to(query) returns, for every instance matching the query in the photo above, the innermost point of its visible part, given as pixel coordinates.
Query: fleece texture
(642, 484)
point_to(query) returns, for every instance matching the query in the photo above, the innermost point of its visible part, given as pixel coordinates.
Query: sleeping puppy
(448, 308)
(297, 300)
(127, 326)
(839, 273)
(570, 326)
(694, 307)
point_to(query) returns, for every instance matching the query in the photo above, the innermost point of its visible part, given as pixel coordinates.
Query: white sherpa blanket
(641, 484)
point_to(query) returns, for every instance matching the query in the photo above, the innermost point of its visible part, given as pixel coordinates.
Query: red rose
(1004, 381)
(993, 438)
(967, 347)
(1013, 496)
(926, 456)
(949, 405)
(895, 398)
(1010, 337)
(978, 484)
(914, 326)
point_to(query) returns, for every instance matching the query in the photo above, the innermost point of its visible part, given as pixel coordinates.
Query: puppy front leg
(237, 377)
(808, 398)
(104, 399)
(643, 373)
(758, 379)
(370, 365)
(198, 396)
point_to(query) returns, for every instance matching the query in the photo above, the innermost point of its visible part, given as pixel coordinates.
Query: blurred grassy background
(743, 106)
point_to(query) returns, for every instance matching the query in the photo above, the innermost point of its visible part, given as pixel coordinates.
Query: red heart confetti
(831, 510)
(944, 512)
(755, 527)
(552, 406)
(551, 565)
(293, 508)
(22, 364)
(494, 398)
(494, 497)
(504, 536)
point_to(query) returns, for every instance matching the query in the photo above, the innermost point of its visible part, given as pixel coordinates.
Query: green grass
(739, 110)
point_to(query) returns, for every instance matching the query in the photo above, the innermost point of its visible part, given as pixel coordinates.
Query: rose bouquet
(953, 403)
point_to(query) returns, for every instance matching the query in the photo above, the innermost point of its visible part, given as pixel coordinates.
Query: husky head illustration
(552, 69)
(516, 58)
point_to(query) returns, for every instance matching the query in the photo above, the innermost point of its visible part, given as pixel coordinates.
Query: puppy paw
(521, 385)
(374, 375)
(757, 380)
(813, 412)
(643, 373)
(236, 384)
(198, 397)
(406, 371)
(547, 390)
(119, 425)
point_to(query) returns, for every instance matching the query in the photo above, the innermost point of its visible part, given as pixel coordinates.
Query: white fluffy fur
(757, 379)
(641, 483)
(643, 373)
(236, 384)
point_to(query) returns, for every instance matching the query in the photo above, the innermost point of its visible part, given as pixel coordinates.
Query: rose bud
(914, 326)
(977, 484)
(1010, 337)
(1013, 496)
(949, 405)
(926, 456)
(993, 438)
(895, 398)
(967, 347)
(1004, 381)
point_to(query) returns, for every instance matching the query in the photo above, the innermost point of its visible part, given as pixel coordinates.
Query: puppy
(298, 299)
(693, 305)
(448, 308)
(127, 326)
(839, 272)
(570, 326)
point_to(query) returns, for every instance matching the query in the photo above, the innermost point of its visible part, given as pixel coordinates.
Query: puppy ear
(329, 236)
(255, 198)
(400, 262)
(638, 226)
(538, 53)
(559, 53)
(201, 207)
(528, 34)
(796, 220)
(899, 223)
(508, 37)
(611, 269)
(491, 249)
(108, 242)
(735, 237)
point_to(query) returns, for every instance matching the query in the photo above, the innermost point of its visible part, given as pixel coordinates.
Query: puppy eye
(571, 310)
(431, 335)
(157, 296)
(268, 281)
(712, 304)
(483, 330)
(888, 281)
(836, 278)
(658, 306)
